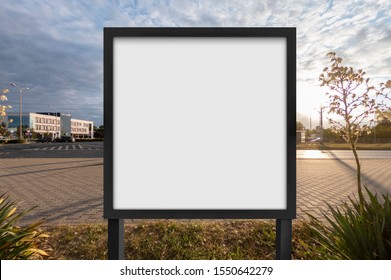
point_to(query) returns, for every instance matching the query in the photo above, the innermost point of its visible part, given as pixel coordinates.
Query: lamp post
(20, 108)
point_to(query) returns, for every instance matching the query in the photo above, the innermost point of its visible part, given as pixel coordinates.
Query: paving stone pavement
(70, 190)
(65, 190)
(333, 181)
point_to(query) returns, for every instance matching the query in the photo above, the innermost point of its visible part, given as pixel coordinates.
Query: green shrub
(18, 242)
(357, 230)
(15, 141)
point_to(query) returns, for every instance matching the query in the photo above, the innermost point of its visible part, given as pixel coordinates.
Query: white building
(82, 128)
(51, 124)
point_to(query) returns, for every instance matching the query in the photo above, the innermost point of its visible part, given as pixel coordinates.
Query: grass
(180, 240)
(341, 146)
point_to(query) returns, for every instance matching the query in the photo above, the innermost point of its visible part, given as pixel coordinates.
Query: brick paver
(70, 190)
(65, 190)
(333, 181)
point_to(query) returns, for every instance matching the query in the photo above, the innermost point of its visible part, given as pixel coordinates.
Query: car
(318, 139)
(3, 139)
(44, 140)
(66, 139)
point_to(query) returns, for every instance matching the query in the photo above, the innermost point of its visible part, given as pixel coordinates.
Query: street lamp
(20, 108)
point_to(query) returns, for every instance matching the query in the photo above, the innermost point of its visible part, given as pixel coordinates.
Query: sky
(55, 47)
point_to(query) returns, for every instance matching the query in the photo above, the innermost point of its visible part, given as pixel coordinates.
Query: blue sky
(55, 47)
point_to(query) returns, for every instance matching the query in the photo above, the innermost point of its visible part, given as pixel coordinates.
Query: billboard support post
(116, 239)
(283, 239)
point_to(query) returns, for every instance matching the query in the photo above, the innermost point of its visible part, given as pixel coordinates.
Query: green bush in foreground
(17, 242)
(15, 141)
(356, 230)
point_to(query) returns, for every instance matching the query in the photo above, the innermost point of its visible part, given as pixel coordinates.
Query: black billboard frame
(284, 217)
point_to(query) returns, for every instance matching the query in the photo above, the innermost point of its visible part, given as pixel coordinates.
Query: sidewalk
(332, 181)
(70, 190)
(65, 190)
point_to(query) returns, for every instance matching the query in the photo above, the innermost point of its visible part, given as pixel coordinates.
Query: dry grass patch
(180, 240)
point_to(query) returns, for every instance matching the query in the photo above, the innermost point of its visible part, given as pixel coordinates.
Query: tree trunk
(358, 172)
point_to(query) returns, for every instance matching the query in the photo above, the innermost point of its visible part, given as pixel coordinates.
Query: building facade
(80, 128)
(51, 124)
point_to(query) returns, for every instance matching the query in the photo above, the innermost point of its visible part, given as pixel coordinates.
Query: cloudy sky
(55, 47)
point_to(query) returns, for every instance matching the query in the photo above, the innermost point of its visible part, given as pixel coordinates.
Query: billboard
(200, 123)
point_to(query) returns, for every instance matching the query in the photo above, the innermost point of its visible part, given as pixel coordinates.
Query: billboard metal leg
(116, 239)
(284, 239)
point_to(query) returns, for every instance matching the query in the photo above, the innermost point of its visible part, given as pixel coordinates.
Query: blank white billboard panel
(199, 123)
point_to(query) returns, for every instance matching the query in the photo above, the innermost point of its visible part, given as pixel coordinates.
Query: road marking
(66, 148)
(312, 154)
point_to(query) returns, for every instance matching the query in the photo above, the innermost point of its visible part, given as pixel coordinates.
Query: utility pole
(321, 122)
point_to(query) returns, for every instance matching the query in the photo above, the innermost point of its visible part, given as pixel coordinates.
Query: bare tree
(384, 112)
(352, 104)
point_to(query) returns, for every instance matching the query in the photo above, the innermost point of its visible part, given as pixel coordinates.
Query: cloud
(56, 50)
(55, 47)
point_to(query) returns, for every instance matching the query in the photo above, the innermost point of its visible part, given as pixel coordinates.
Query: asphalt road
(95, 150)
(53, 150)
(342, 154)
